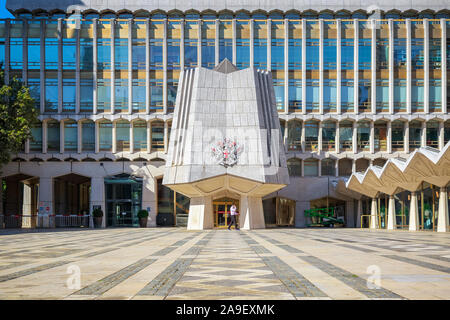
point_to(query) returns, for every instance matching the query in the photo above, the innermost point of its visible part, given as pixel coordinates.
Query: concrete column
(201, 214)
(423, 135)
(97, 196)
(442, 223)
(1, 200)
(413, 213)
(252, 42)
(389, 137)
(97, 137)
(406, 135)
(374, 214)
(372, 137)
(42, 63)
(199, 44)
(319, 168)
(130, 66)
(391, 66)
(338, 68)
(25, 51)
(113, 66)
(149, 200)
(114, 137)
(216, 43)
(149, 137)
(320, 146)
(234, 32)
(182, 23)
(441, 135)
(8, 48)
(356, 67)
(60, 67)
(302, 138)
(44, 137)
(337, 138)
(94, 65)
(46, 200)
(358, 214)
(355, 138)
(269, 44)
(27, 146)
(426, 66)
(320, 67)
(444, 65)
(61, 136)
(286, 66)
(303, 67)
(79, 136)
(408, 66)
(164, 52)
(131, 137)
(392, 222)
(373, 82)
(147, 67)
(251, 213)
(303, 167)
(77, 72)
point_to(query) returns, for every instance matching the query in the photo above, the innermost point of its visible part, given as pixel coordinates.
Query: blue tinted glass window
(364, 95)
(172, 86)
(243, 53)
(51, 95)
(173, 54)
(295, 94)
(88, 136)
(156, 98)
(364, 54)
(400, 52)
(16, 53)
(329, 54)
(69, 53)
(347, 95)
(260, 53)
(312, 54)
(69, 94)
(347, 54)
(382, 53)
(104, 54)
(156, 54)
(417, 53)
(103, 95)
(417, 96)
(208, 50)
(86, 54)
(138, 54)
(312, 95)
(35, 91)
(190, 53)
(329, 95)
(278, 86)
(121, 54)
(86, 97)
(295, 53)
(277, 54)
(121, 95)
(34, 53)
(139, 95)
(382, 95)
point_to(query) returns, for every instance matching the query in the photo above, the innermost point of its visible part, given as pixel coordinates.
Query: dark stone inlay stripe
(355, 248)
(280, 245)
(161, 285)
(349, 279)
(101, 286)
(298, 285)
(174, 246)
(437, 257)
(419, 263)
(29, 271)
(322, 240)
(96, 253)
(14, 264)
(260, 249)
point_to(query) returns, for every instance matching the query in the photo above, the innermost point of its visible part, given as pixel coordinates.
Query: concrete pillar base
(374, 215)
(358, 214)
(413, 213)
(252, 214)
(392, 222)
(442, 223)
(200, 214)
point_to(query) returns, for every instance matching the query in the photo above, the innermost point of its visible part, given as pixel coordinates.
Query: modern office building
(354, 86)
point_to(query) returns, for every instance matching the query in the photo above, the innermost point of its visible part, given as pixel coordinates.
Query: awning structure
(425, 164)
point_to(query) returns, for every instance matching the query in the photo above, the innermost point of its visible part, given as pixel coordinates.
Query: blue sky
(3, 12)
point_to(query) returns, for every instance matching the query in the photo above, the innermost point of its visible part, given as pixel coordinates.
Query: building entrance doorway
(222, 212)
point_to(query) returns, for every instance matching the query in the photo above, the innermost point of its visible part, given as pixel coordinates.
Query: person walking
(233, 218)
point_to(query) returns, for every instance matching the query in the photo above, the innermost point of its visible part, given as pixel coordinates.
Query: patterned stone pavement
(173, 263)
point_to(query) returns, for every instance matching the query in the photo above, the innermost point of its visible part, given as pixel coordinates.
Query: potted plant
(98, 217)
(143, 217)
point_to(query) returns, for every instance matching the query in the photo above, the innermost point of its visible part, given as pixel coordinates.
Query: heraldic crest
(226, 152)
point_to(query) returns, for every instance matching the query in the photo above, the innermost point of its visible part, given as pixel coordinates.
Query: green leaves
(17, 114)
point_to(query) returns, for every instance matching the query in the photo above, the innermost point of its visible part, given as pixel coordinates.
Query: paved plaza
(173, 263)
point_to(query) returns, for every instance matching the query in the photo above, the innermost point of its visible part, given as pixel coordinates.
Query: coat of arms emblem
(226, 152)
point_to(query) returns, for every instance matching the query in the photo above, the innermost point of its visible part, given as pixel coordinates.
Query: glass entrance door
(222, 212)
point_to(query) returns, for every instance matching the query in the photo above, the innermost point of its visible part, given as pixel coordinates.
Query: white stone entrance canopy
(425, 164)
(225, 139)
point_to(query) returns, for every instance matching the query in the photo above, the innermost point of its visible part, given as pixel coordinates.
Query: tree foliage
(17, 114)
